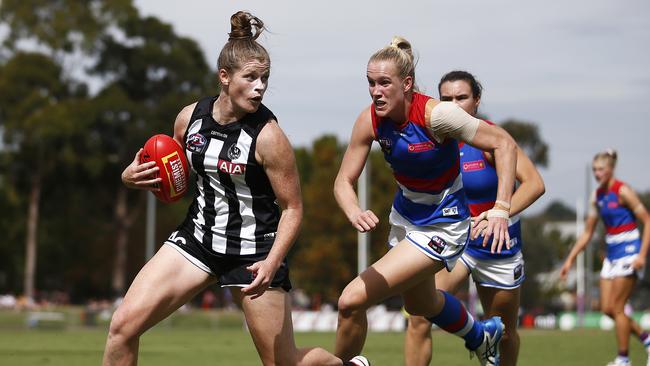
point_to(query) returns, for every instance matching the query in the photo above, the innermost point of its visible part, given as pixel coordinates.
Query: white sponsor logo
(218, 134)
(450, 211)
(230, 167)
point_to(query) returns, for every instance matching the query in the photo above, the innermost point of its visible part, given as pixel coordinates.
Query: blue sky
(579, 69)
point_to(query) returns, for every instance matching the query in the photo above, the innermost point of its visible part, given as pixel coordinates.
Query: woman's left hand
(497, 227)
(639, 262)
(263, 273)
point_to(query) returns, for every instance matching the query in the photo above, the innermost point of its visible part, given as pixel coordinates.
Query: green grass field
(165, 346)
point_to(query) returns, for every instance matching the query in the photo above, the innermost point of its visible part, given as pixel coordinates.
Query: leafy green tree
(327, 248)
(37, 110)
(529, 139)
(147, 74)
(324, 256)
(153, 73)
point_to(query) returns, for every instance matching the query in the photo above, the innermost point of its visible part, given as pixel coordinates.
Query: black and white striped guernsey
(234, 211)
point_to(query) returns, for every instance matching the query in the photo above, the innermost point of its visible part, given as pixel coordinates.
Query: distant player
(498, 276)
(620, 208)
(429, 220)
(242, 222)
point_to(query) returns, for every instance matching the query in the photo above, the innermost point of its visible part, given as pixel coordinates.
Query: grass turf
(164, 346)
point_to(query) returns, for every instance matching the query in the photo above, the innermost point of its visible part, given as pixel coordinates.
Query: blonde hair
(400, 53)
(608, 155)
(241, 45)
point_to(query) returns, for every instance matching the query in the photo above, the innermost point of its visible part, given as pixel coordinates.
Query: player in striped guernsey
(429, 219)
(498, 275)
(620, 208)
(243, 220)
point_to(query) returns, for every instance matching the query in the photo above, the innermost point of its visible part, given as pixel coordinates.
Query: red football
(170, 159)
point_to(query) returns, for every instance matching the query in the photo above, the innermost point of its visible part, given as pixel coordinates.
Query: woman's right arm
(145, 176)
(351, 167)
(583, 240)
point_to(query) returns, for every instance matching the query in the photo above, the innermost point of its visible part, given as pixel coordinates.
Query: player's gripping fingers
(141, 175)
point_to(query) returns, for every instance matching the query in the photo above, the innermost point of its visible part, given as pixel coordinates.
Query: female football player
(498, 276)
(620, 208)
(429, 220)
(243, 220)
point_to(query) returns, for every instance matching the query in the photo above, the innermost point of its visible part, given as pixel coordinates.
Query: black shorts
(230, 270)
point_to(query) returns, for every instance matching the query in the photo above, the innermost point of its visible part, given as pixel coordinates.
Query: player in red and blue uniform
(498, 275)
(620, 208)
(430, 221)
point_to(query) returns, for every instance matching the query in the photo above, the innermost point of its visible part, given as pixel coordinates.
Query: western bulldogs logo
(197, 143)
(234, 152)
(386, 145)
(437, 243)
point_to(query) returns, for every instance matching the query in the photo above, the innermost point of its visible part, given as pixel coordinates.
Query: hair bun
(242, 24)
(401, 43)
(611, 152)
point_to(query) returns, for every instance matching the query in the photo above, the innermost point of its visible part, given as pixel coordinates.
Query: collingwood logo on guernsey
(234, 152)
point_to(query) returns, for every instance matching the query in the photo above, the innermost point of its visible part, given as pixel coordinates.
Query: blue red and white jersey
(427, 172)
(622, 236)
(480, 181)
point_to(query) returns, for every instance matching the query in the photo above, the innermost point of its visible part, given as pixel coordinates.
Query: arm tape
(448, 119)
(498, 213)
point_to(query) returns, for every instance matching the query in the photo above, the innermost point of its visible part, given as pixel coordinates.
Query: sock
(645, 339)
(350, 363)
(454, 318)
(622, 356)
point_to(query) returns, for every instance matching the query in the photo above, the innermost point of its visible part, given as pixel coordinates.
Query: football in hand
(170, 159)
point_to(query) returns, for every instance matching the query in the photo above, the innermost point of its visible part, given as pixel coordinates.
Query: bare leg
(269, 320)
(165, 283)
(417, 342)
(504, 303)
(388, 276)
(614, 295)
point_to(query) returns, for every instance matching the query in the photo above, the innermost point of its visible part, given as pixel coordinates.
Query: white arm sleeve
(448, 119)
